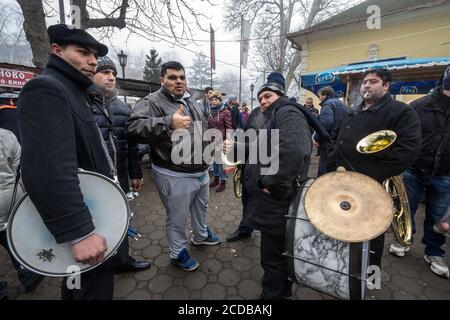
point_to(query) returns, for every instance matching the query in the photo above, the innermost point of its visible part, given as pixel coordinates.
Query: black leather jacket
(151, 122)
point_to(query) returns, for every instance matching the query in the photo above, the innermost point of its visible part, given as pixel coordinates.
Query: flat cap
(62, 34)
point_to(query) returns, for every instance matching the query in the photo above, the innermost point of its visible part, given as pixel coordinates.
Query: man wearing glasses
(183, 187)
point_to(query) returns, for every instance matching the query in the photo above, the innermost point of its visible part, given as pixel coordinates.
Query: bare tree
(13, 45)
(272, 21)
(151, 19)
(228, 82)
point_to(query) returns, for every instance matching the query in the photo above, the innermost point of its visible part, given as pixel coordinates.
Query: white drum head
(35, 247)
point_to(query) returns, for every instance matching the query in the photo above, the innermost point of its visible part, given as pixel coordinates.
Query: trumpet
(402, 222)
(237, 187)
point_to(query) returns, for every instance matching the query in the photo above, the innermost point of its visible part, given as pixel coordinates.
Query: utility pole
(62, 15)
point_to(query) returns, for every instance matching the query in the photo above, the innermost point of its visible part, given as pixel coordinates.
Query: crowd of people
(71, 111)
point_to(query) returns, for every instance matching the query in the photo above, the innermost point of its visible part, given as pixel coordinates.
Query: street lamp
(252, 87)
(123, 62)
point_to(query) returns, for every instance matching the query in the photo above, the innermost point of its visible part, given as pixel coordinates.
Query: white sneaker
(437, 265)
(398, 250)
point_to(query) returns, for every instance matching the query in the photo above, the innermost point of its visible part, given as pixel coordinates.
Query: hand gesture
(179, 121)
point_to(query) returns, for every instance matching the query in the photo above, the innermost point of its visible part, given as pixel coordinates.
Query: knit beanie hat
(275, 83)
(105, 63)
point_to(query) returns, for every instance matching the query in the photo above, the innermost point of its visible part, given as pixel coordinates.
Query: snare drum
(35, 247)
(329, 266)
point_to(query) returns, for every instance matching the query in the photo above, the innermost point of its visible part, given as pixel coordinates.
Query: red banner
(14, 78)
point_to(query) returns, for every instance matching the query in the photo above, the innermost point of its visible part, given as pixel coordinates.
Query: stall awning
(411, 76)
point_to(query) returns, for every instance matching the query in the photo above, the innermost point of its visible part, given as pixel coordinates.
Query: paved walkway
(229, 270)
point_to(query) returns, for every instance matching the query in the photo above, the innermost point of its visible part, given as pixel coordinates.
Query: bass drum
(35, 247)
(329, 266)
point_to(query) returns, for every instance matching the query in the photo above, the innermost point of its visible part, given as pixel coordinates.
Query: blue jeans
(219, 172)
(437, 194)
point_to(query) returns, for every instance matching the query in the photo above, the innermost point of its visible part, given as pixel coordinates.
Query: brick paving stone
(228, 217)
(231, 291)
(224, 254)
(152, 251)
(139, 295)
(436, 294)
(405, 270)
(146, 275)
(123, 287)
(176, 293)
(407, 285)
(251, 252)
(195, 295)
(157, 235)
(229, 277)
(242, 263)
(256, 272)
(136, 223)
(160, 284)
(195, 280)
(249, 289)
(162, 261)
(212, 266)
(212, 278)
(401, 295)
(213, 291)
(176, 273)
(303, 293)
(140, 244)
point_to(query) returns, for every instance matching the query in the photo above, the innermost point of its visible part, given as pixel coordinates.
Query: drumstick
(131, 236)
(134, 231)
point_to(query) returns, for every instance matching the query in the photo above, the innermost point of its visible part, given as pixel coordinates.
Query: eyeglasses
(173, 78)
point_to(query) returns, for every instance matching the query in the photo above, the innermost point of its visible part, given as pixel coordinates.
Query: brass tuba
(402, 223)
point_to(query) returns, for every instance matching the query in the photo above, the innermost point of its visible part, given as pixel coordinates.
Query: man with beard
(183, 187)
(378, 111)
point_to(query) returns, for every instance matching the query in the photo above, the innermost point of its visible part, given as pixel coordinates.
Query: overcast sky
(228, 52)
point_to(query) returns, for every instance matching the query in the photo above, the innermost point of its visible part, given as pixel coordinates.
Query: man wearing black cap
(269, 196)
(111, 114)
(431, 173)
(59, 135)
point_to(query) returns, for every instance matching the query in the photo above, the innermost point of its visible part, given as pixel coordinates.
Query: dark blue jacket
(332, 113)
(127, 161)
(434, 114)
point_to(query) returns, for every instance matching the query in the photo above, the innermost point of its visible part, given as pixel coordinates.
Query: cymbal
(349, 206)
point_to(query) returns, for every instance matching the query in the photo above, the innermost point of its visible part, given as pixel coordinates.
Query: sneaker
(398, 250)
(212, 239)
(437, 265)
(184, 261)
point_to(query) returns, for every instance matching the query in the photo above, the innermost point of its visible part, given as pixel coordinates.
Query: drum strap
(108, 157)
(16, 184)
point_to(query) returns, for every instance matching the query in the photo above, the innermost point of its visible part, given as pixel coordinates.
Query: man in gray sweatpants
(183, 188)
